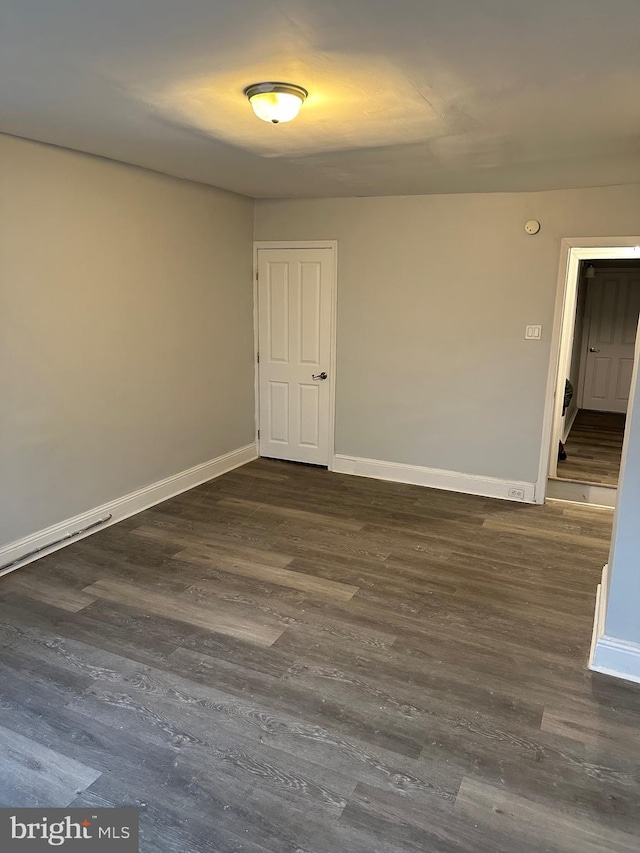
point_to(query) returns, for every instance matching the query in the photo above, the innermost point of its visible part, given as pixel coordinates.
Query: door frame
(572, 251)
(299, 244)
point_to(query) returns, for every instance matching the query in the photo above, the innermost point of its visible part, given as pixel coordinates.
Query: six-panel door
(295, 294)
(614, 304)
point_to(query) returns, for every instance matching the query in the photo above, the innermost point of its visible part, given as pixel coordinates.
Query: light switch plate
(533, 333)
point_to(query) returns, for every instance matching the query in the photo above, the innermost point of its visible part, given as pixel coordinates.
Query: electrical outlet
(516, 493)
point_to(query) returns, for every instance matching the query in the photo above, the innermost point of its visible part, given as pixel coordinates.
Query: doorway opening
(596, 322)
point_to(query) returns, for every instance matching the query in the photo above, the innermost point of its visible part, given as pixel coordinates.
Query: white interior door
(613, 305)
(295, 299)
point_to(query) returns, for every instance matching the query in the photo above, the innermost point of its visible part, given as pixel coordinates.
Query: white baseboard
(434, 478)
(618, 658)
(44, 540)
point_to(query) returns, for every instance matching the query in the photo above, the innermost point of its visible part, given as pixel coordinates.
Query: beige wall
(125, 330)
(126, 325)
(434, 293)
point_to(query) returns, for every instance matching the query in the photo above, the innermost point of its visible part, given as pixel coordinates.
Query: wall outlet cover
(533, 332)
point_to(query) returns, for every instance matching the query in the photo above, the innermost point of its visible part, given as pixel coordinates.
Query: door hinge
(258, 357)
(256, 275)
(258, 433)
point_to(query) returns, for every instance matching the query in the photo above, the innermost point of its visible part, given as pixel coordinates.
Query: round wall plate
(532, 226)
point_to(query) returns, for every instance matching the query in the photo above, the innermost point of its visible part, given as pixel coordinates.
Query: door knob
(593, 349)
(318, 376)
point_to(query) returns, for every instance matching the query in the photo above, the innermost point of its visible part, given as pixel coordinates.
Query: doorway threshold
(579, 491)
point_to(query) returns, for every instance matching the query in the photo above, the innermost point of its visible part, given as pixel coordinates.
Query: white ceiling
(406, 96)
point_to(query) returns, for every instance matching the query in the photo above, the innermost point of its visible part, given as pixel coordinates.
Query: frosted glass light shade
(276, 102)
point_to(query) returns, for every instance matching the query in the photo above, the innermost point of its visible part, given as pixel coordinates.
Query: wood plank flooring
(286, 660)
(594, 448)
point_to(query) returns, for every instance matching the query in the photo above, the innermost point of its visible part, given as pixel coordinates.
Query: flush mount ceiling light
(276, 102)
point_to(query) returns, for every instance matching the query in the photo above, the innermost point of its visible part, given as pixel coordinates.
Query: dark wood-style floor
(286, 660)
(594, 448)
